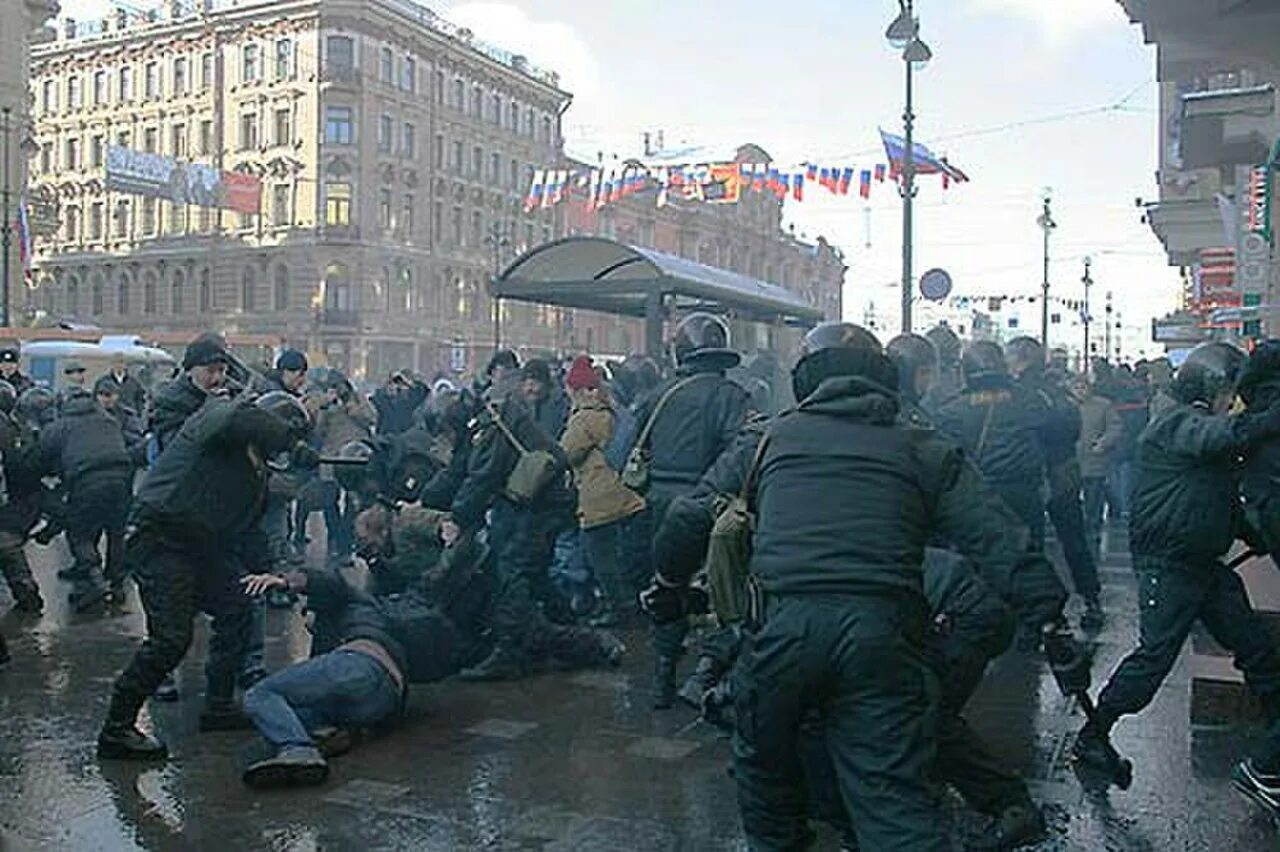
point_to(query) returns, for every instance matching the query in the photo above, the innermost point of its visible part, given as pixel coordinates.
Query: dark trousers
(176, 581)
(275, 527)
(610, 554)
(1172, 597)
(860, 663)
(339, 519)
(340, 688)
(1027, 502)
(1095, 499)
(13, 561)
(96, 508)
(524, 541)
(1068, 520)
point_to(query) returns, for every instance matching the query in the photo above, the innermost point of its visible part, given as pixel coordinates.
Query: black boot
(222, 716)
(664, 683)
(129, 744)
(27, 599)
(1018, 825)
(88, 595)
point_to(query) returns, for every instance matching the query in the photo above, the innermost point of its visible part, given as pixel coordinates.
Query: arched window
(97, 295)
(337, 288)
(47, 288)
(176, 287)
(404, 290)
(73, 295)
(248, 284)
(206, 292)
(149, 296)
(382, 289)
(280, 289)
(122, 295)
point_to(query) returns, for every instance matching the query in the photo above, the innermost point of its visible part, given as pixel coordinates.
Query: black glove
(303, 456)
(1068, 660)
(664, 604)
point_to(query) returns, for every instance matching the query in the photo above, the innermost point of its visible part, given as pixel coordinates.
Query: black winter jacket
(999, 426)
(175, 401)
(85, 442)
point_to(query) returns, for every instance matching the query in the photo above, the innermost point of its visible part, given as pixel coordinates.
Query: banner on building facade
(156, 176)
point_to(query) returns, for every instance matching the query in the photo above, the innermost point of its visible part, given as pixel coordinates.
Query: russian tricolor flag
(536, 189)
(864, 183)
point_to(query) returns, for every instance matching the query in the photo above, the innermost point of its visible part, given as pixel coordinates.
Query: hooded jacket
(602, 498)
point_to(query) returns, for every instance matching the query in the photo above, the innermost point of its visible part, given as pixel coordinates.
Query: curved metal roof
(600, 274)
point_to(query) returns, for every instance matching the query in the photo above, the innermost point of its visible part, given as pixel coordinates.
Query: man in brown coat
(1101, 431)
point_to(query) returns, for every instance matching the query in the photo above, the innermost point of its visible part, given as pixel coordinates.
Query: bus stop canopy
(604, 275)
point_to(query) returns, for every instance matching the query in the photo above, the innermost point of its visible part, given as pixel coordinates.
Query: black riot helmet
(1024, 354)
(1260, 379)
(36, 406)
(8, 397)
(359, 475)
(1210, 371)
(287, 407)
(913, 353)
(947, 342)
(703, 339)
(835, 349)
(982, 360)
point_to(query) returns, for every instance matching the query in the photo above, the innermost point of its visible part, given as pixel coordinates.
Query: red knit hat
(582, 375)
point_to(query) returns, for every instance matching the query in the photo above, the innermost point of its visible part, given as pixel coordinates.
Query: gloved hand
(663, 603)
(303, 456)
(1068, 659)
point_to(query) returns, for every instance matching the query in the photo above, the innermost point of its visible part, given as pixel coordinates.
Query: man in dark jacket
(20, 491)
(1059, 437)
(846, 616)
(523, 536)
(191, 513)
(85, 449)
(204, 372)
(397, 400)
(11, 372)
(999, 426)
(547, 402)
(135, 440)
(1260, 479)
(686, 423)
(1185, 517)
(131, 392)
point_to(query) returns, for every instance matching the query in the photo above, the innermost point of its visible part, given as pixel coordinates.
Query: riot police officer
(19, 502)
(846, 617)
(685, 423)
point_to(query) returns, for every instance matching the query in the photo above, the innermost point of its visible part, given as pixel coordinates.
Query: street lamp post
(1046, 223)
(497, 241)
(1087, 280)
(904, 34)
(6, 226)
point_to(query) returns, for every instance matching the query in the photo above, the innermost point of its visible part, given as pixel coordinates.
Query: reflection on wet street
(563, 761)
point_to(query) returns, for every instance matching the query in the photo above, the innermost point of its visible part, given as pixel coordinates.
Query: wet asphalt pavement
(562, 761)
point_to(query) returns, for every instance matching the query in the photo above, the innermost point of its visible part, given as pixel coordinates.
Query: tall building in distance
(394, 152)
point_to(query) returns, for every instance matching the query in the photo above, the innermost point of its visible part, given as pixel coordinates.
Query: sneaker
(501, 664)
(224, 719)
(1093, 750)
(121, 743)
(1017, 825)
(333, 742)
(1263, 789)
(26, 598)
(167, 691)
(292, 766)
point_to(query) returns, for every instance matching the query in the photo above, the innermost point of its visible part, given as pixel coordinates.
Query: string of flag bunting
(727, 182)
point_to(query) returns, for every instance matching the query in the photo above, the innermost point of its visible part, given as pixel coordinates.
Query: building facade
(394, 151)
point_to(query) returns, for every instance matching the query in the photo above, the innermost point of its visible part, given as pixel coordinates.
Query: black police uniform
(86, 449)
(206, 489)
(523, 537)
(19, 509)
(845, 631)
(1185, 517)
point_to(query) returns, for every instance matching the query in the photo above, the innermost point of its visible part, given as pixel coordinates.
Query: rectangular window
(340, 55)
(248, 131)
(528, 123)
(72, 154)
(178, 136)
(456, 226)
(477, 228)
(284, 127)
(459, 96)
(495, 112)
(438, 153)
(97, 150)
(386, 66)
(409, 75)
(384, 209)
(125, 84)
(206, 70)
(515, 175)
(280, 195)
(337, 203)
(177, 212)
(438, 83)
(457, 157)
(513, 120)
(72, 221)
(437, 221)
(152, 84)
(99, 88)
(46, 157)
(409, 142)
(151, 140)
(338, 129)
(284, 59)
(495, 168)
(95, 221)
(251, 67)
(181, 82)
(73, 92)
(206, 137)
(148, 216)
(385, 129)
(122, 219)
(477, 102)
(124, 139)
(49, 97)
(477, 162)
(405, 225)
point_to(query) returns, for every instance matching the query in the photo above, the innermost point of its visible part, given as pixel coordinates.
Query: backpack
(730, 586)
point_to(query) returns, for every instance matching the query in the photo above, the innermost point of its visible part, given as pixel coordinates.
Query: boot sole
(1246, 789)
(281, 776)
(115, 752)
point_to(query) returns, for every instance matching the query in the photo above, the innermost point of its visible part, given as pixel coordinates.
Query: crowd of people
(522, 521)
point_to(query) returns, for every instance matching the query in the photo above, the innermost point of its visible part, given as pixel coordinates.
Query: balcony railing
(342, 73)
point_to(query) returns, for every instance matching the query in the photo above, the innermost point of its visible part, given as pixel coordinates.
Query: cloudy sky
(1022, 94)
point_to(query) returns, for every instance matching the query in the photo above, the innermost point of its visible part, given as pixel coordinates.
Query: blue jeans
(341, 688)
